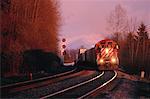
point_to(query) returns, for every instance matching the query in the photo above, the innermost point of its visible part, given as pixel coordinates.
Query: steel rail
(99, 87)
(36, 80)
(80, 84)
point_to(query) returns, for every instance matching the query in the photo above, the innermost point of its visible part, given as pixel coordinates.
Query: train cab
(107, 55)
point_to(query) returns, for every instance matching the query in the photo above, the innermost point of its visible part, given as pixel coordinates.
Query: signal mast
(63, 48)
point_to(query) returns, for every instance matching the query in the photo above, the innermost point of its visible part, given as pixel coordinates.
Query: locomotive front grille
(106, 59)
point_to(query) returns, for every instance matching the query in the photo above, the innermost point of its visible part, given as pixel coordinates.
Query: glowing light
(113, 60)
(101, 61)
(106, 50)
(117, 46)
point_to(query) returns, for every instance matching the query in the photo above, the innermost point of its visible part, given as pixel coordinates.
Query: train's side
(87, 58)
(90, 56)
(104, 55)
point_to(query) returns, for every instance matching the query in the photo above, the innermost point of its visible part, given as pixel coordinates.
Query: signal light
(63, 46)
(63, 40)
(64, 53)
(117, 47)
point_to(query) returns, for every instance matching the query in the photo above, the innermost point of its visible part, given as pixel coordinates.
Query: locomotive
(104, 55)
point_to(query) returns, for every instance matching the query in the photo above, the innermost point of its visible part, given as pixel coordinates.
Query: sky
(84, 22)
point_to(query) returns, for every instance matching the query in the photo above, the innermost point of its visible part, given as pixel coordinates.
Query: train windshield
(106, 44)
(102, 44)
(109, 45)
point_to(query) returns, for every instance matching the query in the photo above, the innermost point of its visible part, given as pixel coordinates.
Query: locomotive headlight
(101, 61)
(113, 60)
(106, 50)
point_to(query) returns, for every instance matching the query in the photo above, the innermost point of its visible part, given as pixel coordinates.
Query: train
(103, 56)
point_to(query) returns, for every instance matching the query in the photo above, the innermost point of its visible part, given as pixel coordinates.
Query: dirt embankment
(127, 86)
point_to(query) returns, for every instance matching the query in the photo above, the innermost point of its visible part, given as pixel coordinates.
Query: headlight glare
(113, 60)
(101, 61)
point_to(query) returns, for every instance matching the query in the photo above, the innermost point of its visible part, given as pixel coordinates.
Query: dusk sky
(84, 22)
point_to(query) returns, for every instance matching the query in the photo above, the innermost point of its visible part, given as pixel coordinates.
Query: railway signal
(63, 52)
(63, 48)
(63, 40)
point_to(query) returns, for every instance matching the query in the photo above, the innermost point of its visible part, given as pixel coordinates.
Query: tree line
(26, 25)
(133, 39)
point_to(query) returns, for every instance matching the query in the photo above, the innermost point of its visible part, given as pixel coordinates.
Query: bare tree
(117, 25)
(130, 38)
(132, 25)
(29, 24)
(117, 22)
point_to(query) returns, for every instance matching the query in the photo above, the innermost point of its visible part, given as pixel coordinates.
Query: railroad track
(12, 88)
(52, 87)
(81, 85)
(84, 89)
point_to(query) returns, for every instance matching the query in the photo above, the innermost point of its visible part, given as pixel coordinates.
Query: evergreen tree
(142, 47)
(142, 33)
